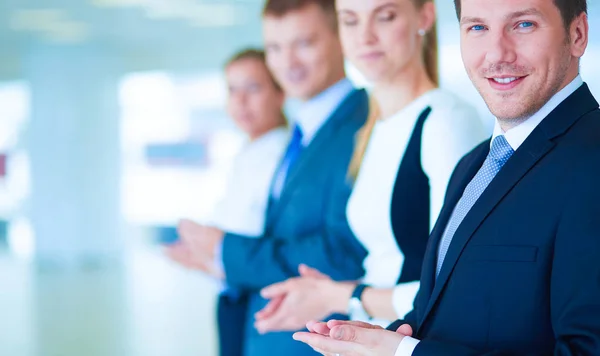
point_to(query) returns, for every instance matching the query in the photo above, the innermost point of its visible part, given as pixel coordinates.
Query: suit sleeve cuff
(218, 264)
(407, 346)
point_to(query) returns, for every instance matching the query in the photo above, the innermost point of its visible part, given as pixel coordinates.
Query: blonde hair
(430, 60)
(362, 138)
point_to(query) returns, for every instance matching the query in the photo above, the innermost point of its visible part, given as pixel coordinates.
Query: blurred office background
(111, 129)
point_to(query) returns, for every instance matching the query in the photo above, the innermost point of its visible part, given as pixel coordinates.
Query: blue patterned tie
(291, 155)
(499, 154)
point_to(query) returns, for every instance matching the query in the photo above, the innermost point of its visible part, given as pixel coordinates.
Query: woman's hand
(294, 302)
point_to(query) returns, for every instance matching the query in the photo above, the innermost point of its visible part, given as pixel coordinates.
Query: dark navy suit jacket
(307, 224)
(522, 274)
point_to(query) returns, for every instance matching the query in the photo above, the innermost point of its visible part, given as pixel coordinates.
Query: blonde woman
(405, 154)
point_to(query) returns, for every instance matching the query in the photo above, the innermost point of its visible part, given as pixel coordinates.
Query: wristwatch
(355, 306)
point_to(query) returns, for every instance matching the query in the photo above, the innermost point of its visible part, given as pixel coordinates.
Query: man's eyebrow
(512, 15)
(528, 12)
(471, 19)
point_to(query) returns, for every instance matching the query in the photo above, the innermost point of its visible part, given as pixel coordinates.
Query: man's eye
(525, 24)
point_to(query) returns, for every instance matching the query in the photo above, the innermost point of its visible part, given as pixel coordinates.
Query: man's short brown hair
(279, 8)
(569, 9)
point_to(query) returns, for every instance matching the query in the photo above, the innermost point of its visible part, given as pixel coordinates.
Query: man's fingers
(326, 345)
(269, 309)
(333, 323)
(323, 352)
(311, 324)
(355, 334)
(306, 271)
(345, 333)
(318, 327)
(277, 321)
(405, 329)
(275, 290)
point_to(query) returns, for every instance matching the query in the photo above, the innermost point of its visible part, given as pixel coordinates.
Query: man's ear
(579, 35)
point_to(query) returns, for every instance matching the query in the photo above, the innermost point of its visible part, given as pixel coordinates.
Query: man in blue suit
(513, 264)
(306, 221)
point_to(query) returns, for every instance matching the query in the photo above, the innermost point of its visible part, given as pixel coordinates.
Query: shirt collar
(517, 135)
(313, 113)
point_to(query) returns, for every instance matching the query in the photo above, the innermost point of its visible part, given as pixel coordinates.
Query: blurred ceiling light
(53, 24)
(36, 20)
(196, 14)
(209, 15)
(216, 15)
(69, 32)
(118, 3)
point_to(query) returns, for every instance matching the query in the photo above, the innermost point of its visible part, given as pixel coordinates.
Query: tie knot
(501, 150)
(297, 134)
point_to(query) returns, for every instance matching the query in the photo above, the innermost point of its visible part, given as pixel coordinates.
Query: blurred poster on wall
(181, 154)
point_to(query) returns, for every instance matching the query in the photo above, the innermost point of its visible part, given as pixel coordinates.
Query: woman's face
(381, 37)
(254, 102)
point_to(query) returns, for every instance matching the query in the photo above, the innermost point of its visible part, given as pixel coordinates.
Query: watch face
(354, 305)
(357, 311)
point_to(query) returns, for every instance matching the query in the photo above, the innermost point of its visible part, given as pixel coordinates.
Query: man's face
(517, 53)
(303, 51)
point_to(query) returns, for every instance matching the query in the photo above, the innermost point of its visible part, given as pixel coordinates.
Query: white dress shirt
(243, 208)
(452, 129)
(515, 137)
(310, 116)
(313, 113)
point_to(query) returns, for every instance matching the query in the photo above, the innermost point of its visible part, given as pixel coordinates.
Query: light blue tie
(500, 152)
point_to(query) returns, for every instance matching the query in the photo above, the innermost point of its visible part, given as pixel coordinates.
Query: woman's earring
(422, 32)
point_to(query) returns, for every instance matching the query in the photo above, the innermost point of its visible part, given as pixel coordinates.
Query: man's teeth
(505, 80)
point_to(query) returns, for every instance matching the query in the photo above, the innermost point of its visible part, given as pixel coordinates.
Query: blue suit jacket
(522, 274)
(306, 225)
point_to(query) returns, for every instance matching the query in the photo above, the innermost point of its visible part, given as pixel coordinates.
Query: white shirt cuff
(407, 346)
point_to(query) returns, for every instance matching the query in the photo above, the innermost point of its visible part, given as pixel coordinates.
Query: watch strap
(358, 291)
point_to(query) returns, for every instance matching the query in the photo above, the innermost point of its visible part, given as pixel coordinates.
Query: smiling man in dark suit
(513, 264)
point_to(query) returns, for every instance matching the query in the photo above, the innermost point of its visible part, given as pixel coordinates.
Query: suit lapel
(309, 155)
(516, 167)
(535, 147)
(470, 169)
(306, 158)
